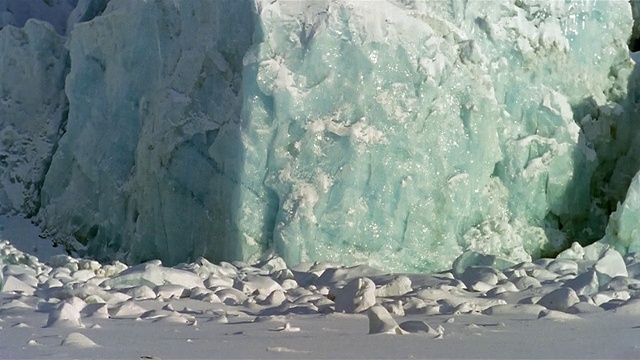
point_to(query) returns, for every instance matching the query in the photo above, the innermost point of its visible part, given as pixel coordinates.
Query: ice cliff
(403, 140)
(393, 133)
(54, 12)
(150, 162)
(33, 64)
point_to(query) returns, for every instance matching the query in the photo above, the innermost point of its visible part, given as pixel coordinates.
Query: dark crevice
(62, 129)
(634, 40)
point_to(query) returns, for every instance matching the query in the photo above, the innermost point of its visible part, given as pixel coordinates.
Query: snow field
(70, 307)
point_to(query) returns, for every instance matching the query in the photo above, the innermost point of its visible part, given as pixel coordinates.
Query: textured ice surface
(55, 12)
(623, 231)
(393, 133)
(149, 166)
(33, 64)
(402, 134)
(634, 42)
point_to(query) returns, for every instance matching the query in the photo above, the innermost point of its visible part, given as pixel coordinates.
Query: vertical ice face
(634, 41)
(393, 133)
(401, 133)
(149, 166)
(33, 64)
(55, 12)
(85, 10)
(623, 232)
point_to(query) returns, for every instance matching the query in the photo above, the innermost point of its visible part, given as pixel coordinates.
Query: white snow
(78, 308)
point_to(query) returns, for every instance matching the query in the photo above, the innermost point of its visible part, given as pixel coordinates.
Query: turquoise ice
(401, 141)
(393, 133)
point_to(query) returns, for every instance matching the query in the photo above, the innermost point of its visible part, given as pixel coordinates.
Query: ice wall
(55, 12)
(393, 133)
(33, 64)
(634, 41)
(403, 133)
(150, 164)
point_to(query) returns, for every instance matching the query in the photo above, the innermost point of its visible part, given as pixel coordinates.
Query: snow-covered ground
(26, 237)
(74, 308)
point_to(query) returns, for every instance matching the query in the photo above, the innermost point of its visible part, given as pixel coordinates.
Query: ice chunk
(623, 231)
(152, 275)
(610, 265)
(13, 284)
(65, 315)
(381, 322)
(357, 296)
(396, 287)
(78, 340)
(560, 299)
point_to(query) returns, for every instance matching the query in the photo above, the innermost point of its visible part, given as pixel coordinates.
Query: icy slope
(393, 133)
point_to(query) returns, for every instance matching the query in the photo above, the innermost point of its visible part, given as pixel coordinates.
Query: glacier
(403, 141)
(158, 103)
(55, 12)
(33, 66)
(398, 134)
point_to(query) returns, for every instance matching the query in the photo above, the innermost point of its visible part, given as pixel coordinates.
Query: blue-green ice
(393, 133)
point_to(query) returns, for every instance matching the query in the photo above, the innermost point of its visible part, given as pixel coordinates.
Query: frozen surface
(149, 165)
(27, 237)
(402, 134)
(78, 308)
(398, 135)
(55, 12)
(33, 65)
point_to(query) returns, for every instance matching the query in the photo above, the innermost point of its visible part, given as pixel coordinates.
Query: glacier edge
(398, 136)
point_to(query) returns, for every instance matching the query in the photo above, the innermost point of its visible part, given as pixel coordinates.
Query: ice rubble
(398, 135)
(69, 294)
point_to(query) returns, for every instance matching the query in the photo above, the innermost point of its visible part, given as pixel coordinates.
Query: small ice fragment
(78, 340)
(559, 299)
(283, 349)
(287, 328)
(417, 326)
(381, 322)
(357, 296)
(65, 315)
(557, 315)
(33, 342)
